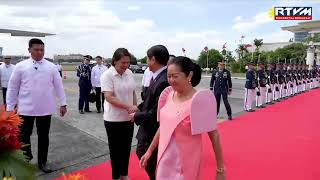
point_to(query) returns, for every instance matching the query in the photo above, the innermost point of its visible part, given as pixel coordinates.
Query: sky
(99, 27)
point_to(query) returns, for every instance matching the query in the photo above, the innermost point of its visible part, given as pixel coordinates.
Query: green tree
(292, 51)
(242, 50)
(213, 57)
(258, 43)
(143, 60)
(133, 60)
(315, 38)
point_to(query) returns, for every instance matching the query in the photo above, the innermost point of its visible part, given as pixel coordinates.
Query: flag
(247, 45)
(183, 50)
(206, 49)
(224, 46)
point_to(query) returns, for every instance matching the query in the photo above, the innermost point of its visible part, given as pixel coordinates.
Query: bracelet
(221, 170)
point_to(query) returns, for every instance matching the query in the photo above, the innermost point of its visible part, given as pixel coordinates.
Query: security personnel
(271, 81)
(85, 86)
(222, 85)
(262, 85)
(250, 87)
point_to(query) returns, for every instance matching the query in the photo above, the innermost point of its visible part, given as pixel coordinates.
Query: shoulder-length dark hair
(118, 54)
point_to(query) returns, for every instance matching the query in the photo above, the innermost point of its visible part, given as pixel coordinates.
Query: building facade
(303, 30)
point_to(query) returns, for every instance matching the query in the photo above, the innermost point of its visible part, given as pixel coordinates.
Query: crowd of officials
(164, 116)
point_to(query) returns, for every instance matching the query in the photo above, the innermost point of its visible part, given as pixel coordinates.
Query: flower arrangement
(13, 164)
(77, 176)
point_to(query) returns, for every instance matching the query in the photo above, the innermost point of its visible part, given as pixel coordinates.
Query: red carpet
(280, 142)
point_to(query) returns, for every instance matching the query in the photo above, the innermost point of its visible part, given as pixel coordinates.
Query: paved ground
(78, 141)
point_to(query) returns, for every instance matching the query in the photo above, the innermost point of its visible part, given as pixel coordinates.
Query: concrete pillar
(318, 56)
(310, 56)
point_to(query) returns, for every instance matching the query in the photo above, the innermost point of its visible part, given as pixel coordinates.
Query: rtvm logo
(292, 13)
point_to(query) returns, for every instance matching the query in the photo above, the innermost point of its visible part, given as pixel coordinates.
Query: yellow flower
(74, 177)
(7, 178)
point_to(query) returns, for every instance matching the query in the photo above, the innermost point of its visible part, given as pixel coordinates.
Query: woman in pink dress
(184, 115)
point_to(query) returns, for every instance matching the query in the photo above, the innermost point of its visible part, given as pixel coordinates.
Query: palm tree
(241, 50)
(258, 43)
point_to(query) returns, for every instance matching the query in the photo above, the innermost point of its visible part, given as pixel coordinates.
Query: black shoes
(81, 111)
(230, 117)
(99, 111)
(45, 168)
(250, 110)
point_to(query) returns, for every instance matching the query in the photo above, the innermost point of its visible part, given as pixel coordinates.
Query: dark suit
(146, 119)
(85, 86)
(222, 85)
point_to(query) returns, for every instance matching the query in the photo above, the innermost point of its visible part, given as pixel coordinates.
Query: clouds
(250, 24)
(134, 8)
(237, 19)
(89, 27)
(98, 28)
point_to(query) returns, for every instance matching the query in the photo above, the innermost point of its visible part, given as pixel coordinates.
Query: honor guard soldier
(262, 85)
(299, 77)
(314, 77)
(271, 81)
(304, 78)
(285, 81)
(290, 80)
(85, 86)
(250, 87)
(294, 78)
(222, 85)
(310, 79)
(318, 76)
(279, 82)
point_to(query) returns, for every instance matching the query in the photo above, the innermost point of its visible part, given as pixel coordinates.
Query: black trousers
(60, 72)
(119, 137)
(43, 127)
(99, 96)
(224, 95)
(4, 95)
(85, 89)
(152, 162)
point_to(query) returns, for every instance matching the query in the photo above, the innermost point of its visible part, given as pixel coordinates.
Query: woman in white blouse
(118, 86)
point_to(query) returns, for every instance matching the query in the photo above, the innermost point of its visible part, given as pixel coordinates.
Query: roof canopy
(24, 33)
(304, 26)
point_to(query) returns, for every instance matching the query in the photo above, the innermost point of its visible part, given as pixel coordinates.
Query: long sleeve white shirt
(34, 87)
(5, 74)
(96, 73)
(147, 76)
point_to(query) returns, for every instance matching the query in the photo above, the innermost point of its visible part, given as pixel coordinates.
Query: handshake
(131, 111)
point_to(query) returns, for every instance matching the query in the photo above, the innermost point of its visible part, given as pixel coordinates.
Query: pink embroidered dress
(181, 126)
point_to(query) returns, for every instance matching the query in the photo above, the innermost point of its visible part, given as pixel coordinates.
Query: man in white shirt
(146, 78)
(96, 73)
(31, 88)
(5, 73)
